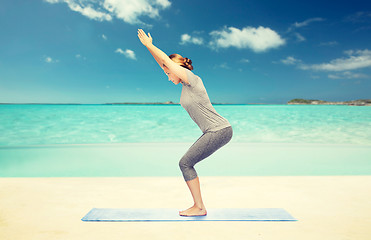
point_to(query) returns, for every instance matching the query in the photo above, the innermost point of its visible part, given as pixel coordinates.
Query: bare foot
(193, 211)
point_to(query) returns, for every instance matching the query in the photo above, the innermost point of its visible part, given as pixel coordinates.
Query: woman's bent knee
(188, 171)
(183, 163)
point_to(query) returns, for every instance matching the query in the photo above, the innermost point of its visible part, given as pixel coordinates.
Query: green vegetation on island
(297, 101)
(359, 102)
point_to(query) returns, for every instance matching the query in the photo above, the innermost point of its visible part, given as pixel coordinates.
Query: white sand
(327, 207)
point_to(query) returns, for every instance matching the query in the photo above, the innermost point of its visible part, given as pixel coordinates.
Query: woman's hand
(146, 40)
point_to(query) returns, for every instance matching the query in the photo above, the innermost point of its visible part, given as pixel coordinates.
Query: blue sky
(87, 51)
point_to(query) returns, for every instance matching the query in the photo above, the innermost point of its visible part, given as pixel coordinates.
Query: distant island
(359, 102)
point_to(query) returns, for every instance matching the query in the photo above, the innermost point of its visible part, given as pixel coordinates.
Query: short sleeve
(191, 77)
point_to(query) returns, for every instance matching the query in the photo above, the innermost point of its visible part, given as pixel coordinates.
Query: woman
(217, 131)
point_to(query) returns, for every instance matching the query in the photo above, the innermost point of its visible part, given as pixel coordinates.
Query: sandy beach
(327, 207)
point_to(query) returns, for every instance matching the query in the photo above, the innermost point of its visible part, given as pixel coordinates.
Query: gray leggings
(205, 145)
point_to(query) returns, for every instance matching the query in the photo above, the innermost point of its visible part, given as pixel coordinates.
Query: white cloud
(300, 37)
(305, 23)
(290, 60)
(78, 56)
(104, 37)
(296, 25)
(341, 66)
(349, 52)
(302, 24)
(186, 38)
(86, 8)
(244, 60)
(119, 50)
(347, 75)
(222, 65)
(164, 3)
(127, 10)
(127, 53)
(131, 10)
(359, 17)
(50, 60)
(258, 39)
(331, 43)
(355, 60)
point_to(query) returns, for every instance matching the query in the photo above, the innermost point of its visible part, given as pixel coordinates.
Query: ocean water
(22, 125)
(149, 140)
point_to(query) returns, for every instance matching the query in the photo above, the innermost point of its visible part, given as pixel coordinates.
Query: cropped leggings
(205, 145)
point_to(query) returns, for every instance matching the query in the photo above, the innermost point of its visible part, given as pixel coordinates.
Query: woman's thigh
(207, 144)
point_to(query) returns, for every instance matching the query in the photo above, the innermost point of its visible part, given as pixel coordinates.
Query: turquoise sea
(22, 125)
(99, 140)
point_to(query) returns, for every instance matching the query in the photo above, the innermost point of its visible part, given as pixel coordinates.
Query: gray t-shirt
(196, 102)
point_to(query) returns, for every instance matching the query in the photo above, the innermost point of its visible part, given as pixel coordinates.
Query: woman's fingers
(140, 31)
(143, 37)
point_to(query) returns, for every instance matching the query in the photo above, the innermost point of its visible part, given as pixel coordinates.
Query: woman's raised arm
(150, 41)
(161, 57)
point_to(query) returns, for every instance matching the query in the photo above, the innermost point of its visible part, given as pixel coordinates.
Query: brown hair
(184, 62)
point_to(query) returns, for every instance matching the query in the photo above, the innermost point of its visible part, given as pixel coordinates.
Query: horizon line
(213, 103)
(133, 103)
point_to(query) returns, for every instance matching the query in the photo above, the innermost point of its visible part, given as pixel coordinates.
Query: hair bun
(184, 62)
(187, 61)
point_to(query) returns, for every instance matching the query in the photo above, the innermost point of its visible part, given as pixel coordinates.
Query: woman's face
(172, 77)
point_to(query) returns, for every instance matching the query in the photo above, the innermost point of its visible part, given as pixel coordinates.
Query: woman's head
(184, 62)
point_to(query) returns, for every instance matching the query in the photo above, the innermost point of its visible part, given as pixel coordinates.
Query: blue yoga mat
(172, 214)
